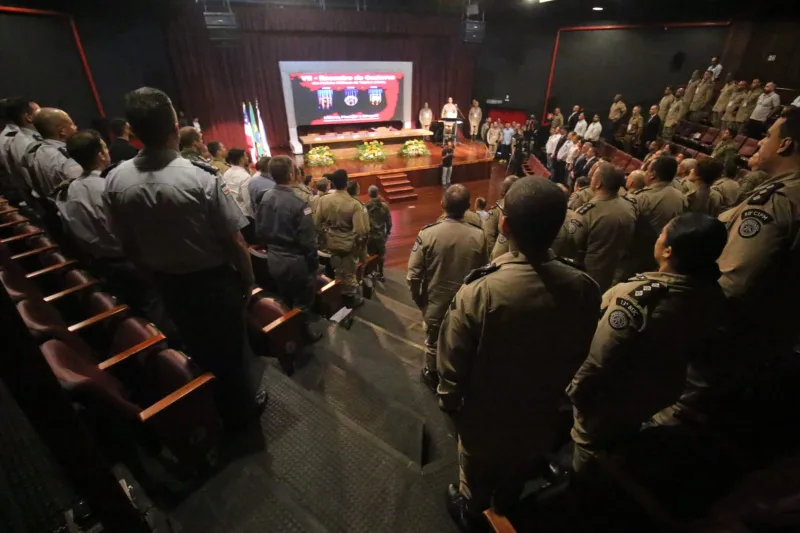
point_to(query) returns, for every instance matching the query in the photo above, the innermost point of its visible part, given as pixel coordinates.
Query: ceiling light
(597, 9)
(544, 1)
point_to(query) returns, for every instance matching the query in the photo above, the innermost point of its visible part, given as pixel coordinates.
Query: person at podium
(425, 117)
(449, 111)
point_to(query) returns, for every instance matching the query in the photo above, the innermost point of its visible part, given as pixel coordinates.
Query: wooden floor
(409, 218)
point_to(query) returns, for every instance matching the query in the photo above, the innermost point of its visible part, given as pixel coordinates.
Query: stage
(398, 176)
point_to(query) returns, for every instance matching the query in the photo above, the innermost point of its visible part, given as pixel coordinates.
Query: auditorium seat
(738, 141)
(7, 222)
(182, 414)
(709, 139)
(329, 296)
(691, 153)
(16, 241)
(498, 522)
(682, 129)
(635, 164)
(274, 330)
(621, 159)
(749, 148)
(700, 156)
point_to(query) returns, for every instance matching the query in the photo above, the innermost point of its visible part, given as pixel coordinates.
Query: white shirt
(550, 147)
(796, 102)
(766, 104)
(573, 154)
(449, 111)
(580, 127)
(593, 131)
(237, 178)
(716, 70)
(565, 150)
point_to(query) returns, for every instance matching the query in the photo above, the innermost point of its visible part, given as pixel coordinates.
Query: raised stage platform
(352, 139)
(398, 176)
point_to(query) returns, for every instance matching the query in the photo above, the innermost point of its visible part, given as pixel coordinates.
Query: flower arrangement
(414, 148)
(371, 151)
(320, 156)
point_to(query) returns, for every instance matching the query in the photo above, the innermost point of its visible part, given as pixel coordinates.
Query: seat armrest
(17, 238)
(13, 223)
(105, 315)
(173, 398)
(54, 268)
(130, 352)
(8, 211)
(499, 523)
(72, 290)
(282, 320)
(36, 251)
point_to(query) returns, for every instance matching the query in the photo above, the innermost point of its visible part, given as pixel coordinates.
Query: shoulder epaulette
(480, 272)
(637, 192)
(63, 151)
(648, 292)
(629, 198)
(764, 193)
(11, 133)
(34, 148)
(570, 262)
(471, 223)
(431, 224)
(208, 168)
(109, 168)
(585, 208)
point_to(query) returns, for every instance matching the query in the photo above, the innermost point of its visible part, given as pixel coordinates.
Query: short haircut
(637, 179)
(506, 185)
(234, 156)
(611, 177)
(214, 147)
(263, 164)
(84, 147)
(708, 170)
(339, 179)
(372, 191)
(697, 241)
(791, 126)
(322, 184)
(582, 182)
(480, 203)
(47, 122)
(456, 200)
(665, 168)
(117, 126)
(731, 169)
(280, 168)
(688, 164)
(352, 188)
(151, 115)
(16, 107)
(307, 179)
(188, 136)
(535, 209)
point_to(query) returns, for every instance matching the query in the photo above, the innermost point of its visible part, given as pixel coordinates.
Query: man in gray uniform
(48, 162)
(285, 226)
(443, 254)
(8, 132)
(177, 219)
(21, 112)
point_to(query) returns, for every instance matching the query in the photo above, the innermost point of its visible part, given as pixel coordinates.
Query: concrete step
(407, 197)
(399, 189)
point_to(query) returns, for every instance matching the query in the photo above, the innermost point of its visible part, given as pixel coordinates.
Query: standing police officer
(21, 111)
(443, 254)
(491, 226)
(489, 372)
(177, 219)
(380, 227)
(345, 223)
(48, 162)
(285, 226)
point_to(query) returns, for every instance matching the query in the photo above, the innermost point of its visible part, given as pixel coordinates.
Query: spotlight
(597, 9)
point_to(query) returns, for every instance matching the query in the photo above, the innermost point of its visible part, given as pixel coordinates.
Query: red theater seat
(690, 153)
(708, 140)
(738, 141)
(329, 296)
(275, 331)
(635, 164)
(749, 148)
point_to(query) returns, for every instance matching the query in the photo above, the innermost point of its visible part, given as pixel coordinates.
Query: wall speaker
(474, 31)
(222, 26)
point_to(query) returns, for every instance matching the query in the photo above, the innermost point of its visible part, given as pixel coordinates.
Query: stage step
(394, 182)
(386, 177)
(405, 197)
(399, 188)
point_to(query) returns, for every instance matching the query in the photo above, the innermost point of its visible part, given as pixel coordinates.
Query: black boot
(311, 336)
(430, 378)
(353, 301)
(458, 509)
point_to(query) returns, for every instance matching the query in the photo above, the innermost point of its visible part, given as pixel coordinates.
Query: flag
(263, 132)
(248, 132)
(256, 132)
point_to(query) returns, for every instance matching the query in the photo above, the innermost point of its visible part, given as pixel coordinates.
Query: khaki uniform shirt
(724, 97)
(748, 105)
(688, 94)
(380, 220)
(342, 219)
(220, 165)
(558, 121)
(710, 204)
(634, 130)
(491, 226)
(657, 204)
(442, 256)
(675, 113)
(761, 267)
(732, 108)
(580, 197)
(729, 190)
(652, 327)
(702, 96)
(723, 150)
(475, 115)
(664, 105)
(564, 244)
(493, 135)
(425, 117)
(749, 183)
(617, 111)
(603, 236)
(508, 392)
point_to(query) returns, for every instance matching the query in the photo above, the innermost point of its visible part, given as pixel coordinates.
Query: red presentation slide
(342, 98)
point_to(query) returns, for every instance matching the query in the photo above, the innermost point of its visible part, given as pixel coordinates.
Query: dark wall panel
(39, 59)
(593, 66)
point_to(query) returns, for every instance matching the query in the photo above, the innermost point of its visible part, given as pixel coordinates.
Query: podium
(453, 123)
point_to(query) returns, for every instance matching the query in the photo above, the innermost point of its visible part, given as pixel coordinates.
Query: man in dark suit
(121, 149)
(583, 167)
(651, 128)
(572, 121)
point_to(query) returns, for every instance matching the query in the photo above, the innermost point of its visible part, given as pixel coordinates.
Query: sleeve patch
(502, 239)
(630, 308)
(307, 211)
(416, 244)
(225, 190)
(618, 320)
(752, 222)
(573, 226)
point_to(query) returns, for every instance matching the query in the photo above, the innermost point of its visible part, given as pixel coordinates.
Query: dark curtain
(213, 81)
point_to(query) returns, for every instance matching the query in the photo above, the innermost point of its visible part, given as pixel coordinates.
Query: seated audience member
(380, 227)
(582, 194)
(595, 130)
(703, 198)
(237, 178)
(218, 154)
(752, 180)
(727, 185)
(191, 145)
(725, 149)
(682, 181)
(121, 148)
(635, 182)
(657, 204)
(679, 157)
(480, 208)
(345, 225)
(491, 226)
(652, 328)
(80, 203)
(442, 256)
(260, 183)
(484, 363)
(605, 225)
(654, 147)
(581, 126)
(284, 225)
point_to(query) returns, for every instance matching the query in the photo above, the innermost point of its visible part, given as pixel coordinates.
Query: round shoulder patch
(573, 226)
(618, 320)
(502, 239)
(750, 227)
